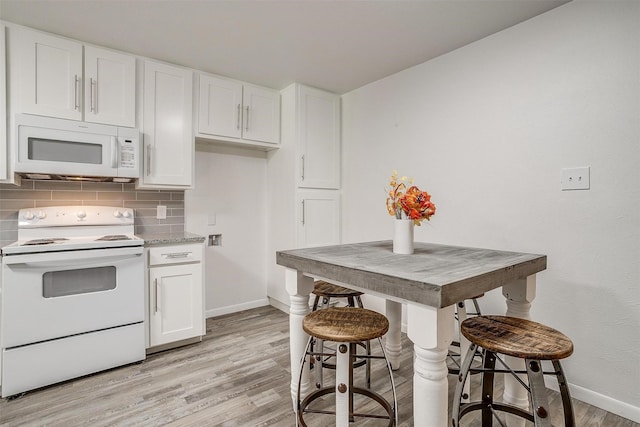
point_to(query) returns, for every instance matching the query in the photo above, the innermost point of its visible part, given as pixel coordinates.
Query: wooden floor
(238, 376)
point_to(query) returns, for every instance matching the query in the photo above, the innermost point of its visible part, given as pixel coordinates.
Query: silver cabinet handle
(303, 212)
(148, 159)
(93, 87)
(247, 119)
(76, 93)
(155, 281)
(302, 169)
(239, 113)
(175, 255)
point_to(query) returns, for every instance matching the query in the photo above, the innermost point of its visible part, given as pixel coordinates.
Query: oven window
(51, 150)
(74, 282)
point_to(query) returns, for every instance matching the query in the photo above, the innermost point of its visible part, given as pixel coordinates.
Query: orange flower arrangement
(413, 202)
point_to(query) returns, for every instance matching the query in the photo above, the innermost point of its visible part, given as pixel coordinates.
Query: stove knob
(41, 215)
(81, 215)
(117, 213)
(126, 214)
(28, 215)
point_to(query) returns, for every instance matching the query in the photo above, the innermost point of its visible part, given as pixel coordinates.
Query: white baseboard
(598, 400)
(279, 305)
(605, 402)
(236, 308)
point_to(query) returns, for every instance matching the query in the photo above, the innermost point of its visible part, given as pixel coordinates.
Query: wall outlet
(161, 212)
(576, 178)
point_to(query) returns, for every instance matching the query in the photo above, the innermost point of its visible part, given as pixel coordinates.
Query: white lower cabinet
(176, 299)
(318, 218)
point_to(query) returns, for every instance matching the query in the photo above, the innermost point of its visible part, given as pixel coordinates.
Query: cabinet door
(167, 126)
(319, 138)
(175, 296)
(318, 218)
(109, 87)
(260, 114)
(220, 107)
(4, 153)
(50, 73)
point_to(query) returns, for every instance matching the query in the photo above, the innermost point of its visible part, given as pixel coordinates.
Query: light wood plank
(238, 376)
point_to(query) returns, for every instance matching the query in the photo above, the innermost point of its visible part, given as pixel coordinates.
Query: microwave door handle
(114, 152)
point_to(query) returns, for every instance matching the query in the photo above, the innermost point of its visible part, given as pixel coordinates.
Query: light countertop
(156, 239)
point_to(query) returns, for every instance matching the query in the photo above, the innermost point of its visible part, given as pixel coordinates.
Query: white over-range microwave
(47, 147)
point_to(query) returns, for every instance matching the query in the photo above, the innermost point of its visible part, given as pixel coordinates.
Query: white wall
(231, 184)
(487, 129)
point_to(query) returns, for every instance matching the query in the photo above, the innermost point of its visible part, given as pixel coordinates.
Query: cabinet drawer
(175, 254)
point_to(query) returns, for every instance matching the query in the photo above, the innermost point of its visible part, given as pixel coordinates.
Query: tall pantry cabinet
(303, 178)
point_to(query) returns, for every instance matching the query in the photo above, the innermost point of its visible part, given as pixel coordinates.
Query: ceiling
(334, 45)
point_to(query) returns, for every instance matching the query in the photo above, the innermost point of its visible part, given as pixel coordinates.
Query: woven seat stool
(346, 326)
(325, 294)
(523, 339)
(456, 349)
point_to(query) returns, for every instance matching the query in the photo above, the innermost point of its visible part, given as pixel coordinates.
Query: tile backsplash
(34, 194)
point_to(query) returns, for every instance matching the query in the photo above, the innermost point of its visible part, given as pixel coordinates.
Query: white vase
(403, 236)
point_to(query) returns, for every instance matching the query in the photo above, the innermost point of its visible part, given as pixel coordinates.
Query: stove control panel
(122, 213)
(61, 216)
(30, 215)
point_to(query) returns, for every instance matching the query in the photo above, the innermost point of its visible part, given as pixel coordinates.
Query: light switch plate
(576, 178)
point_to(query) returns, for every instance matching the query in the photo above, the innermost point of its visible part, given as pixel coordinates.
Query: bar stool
(325, 293)
(522, 339)
(328, 291)
(457, 348)
(346, 326)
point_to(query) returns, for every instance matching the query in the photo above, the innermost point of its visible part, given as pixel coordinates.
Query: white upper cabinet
(220, 107)
(318, 136)
(50, 73)
(52, 82)
(232, 111)
(167, 127)
(261, 114)
(4, 153)
(109, 87)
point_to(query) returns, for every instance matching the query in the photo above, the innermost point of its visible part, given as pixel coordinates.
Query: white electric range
(72, 295)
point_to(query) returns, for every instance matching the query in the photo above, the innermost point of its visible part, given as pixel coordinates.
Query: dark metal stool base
(317, 394)
(454, 358)
(540, 415)
(303, 405)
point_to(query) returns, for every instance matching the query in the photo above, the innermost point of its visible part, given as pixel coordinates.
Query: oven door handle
(59, 260)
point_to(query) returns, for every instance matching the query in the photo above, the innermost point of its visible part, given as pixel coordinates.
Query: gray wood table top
(434, 275)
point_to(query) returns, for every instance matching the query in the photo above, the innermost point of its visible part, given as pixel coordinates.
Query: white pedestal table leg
(519, 295)
(392, 343)
(299, 287)
(431, 330)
